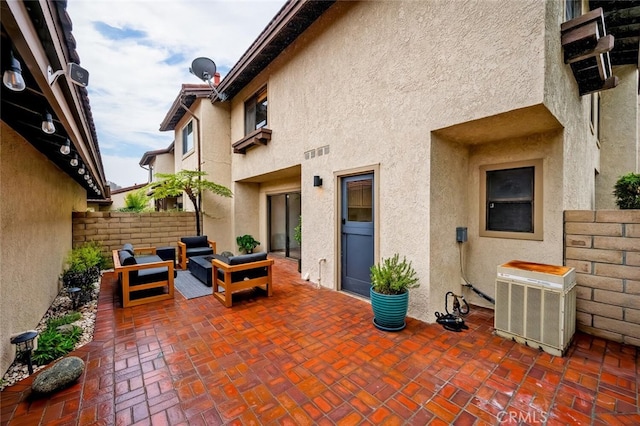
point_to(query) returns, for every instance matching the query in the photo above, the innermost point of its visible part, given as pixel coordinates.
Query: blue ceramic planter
(389, 310)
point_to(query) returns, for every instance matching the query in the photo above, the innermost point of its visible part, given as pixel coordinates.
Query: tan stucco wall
(164, 163)
(424, 115)
(375, 105)
(618, 134)
(483, 254)
(211, 127)
(35, 219)
(216, 162)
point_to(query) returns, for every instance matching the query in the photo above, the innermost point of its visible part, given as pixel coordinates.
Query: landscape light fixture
(48, 127)
(12, 77)
(24, 346)
(65, 148)
(81, 169)
(87, 177)
(205, 70)
(74, 160)
(74, 295)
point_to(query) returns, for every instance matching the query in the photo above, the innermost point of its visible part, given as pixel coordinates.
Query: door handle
(344, 221)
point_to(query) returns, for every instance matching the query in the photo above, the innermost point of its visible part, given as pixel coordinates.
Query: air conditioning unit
(536, 305)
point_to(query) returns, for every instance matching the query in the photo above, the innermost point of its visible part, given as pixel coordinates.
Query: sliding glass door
(284, 215)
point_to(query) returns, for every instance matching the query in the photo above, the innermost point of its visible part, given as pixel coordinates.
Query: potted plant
(83, 268)
(627, 191)
(391, 280)
(297, 236)
(247, 243)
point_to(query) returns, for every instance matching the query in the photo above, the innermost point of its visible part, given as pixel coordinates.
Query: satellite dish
(203, 68)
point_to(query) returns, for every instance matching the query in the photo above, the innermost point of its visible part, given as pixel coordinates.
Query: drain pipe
(322, 259)
(198, 133)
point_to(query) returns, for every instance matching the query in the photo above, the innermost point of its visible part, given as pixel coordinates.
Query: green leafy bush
(65, 319)
(53, 344)
(247, 243)
(136, 202)
(85, 256)
(83, 270)
(393, 276)
(627, 191)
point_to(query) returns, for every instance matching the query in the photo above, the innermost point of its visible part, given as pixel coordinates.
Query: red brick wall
(604, 248)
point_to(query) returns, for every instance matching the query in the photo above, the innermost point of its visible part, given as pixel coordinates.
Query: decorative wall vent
(586, 49)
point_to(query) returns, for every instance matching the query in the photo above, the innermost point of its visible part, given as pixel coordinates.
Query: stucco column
(618, 134)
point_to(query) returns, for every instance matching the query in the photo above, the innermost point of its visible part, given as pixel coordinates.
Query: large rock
(58, 376)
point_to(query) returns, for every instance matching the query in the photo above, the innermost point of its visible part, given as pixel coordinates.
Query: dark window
(509, 200)
(572, 9)
(187, 138)
(255, 112)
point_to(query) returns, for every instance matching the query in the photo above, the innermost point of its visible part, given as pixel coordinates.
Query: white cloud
(131, 82)
(126, 169)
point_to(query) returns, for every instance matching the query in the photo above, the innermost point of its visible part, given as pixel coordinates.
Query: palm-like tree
(190, 182)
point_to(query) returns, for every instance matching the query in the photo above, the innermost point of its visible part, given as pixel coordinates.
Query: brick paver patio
(312, 356)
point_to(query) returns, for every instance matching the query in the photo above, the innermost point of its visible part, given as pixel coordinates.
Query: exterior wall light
(48, 126)
(65, 148)
(12, 77)
(317, 181)
(74, 160)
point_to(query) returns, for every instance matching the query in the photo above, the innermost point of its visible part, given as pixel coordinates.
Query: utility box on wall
(536, 305)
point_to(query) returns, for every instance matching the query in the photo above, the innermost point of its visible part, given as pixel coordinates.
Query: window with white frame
(187, 138)
(255, 111)
(511, 200)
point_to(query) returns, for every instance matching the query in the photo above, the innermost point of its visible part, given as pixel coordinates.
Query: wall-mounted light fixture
(65, 148)
(47, 124)
(12, 77)
(317, 181)
(74, 160)
(81, 169)
(77, 75)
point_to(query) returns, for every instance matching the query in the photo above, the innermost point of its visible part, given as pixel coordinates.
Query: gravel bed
(61, 305)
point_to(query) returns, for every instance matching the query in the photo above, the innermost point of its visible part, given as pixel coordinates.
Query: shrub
(627, 191)
(393, 276)
(53, 344)
(85, 256)
(247, 243)
(84, 264)
(135, 202)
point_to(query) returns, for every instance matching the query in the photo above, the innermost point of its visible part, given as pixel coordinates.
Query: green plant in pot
(627, 191)
(391, 280)
(83, 268)
(247, 243)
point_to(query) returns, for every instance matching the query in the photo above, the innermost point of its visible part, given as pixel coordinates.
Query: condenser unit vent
(536, 305)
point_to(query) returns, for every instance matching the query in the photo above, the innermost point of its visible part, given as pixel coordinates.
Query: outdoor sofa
(236, 273)
(144, 277)
(194, 246)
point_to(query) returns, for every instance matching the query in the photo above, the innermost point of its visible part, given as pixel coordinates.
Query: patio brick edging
(113, 229)
(604, 248)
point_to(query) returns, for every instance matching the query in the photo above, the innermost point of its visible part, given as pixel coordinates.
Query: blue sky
(138, 54)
